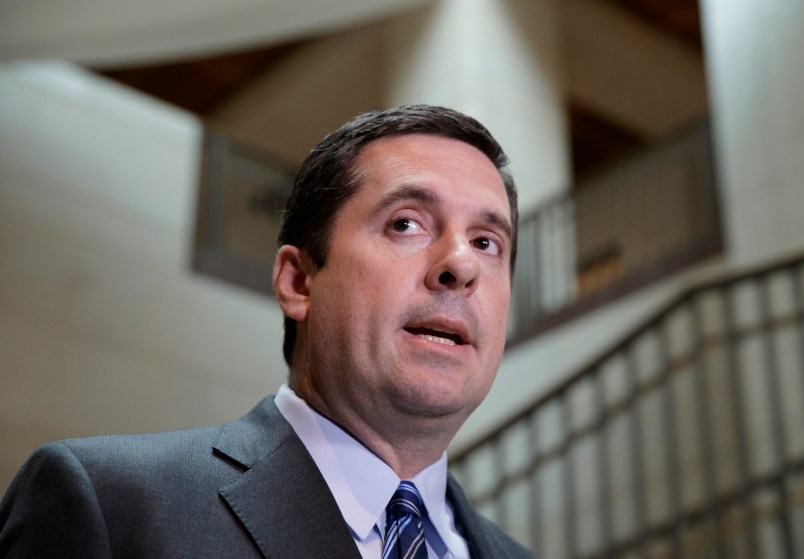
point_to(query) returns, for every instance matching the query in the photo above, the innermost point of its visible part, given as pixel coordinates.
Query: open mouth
(445, 338)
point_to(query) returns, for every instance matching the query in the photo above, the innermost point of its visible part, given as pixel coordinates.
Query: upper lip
(444, 325)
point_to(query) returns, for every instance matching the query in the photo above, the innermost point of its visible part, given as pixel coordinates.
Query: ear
(292, 274)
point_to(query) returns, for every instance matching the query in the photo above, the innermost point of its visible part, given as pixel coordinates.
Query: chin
(429, 401)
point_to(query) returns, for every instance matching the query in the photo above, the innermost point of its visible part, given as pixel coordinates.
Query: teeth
(437, 339)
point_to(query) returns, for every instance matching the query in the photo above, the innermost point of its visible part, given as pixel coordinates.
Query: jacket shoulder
(87, 497)
(52, 486)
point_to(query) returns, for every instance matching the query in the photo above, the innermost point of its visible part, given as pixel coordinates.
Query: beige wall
(757, 83)
(103, 327)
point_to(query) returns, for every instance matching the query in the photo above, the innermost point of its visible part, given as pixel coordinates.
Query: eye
(487, 245)
(406, 226)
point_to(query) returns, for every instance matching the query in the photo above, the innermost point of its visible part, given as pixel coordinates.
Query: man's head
(395, 268)
(330, 176)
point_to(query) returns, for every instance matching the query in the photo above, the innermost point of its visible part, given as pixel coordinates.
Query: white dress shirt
(362, 484)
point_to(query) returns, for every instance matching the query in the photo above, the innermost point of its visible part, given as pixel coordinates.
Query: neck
(407, 453)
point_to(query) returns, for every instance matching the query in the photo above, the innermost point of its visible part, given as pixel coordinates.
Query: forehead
(454, 168)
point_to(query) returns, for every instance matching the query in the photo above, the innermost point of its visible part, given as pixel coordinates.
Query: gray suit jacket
(248, 488)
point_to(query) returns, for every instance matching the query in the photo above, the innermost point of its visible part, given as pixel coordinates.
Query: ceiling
(202, 85)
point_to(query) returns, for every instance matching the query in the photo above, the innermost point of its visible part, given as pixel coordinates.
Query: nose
(455, 266)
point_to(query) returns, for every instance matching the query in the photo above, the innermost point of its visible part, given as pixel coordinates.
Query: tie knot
(406, 501)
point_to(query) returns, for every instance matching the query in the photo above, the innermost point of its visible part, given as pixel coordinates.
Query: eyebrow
(429, 197)
(408, 193)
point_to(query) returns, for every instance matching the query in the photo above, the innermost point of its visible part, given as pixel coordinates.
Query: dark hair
(327, 178)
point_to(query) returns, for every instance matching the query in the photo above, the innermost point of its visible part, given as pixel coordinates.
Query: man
(394, 273)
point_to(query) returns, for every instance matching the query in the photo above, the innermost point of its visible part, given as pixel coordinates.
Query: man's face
(409, 313)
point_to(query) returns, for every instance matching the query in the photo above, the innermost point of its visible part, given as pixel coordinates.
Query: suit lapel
(281, 498)
(469, 520)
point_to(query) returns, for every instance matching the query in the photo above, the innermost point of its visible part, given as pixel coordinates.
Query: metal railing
(650, 215)
(684, 440)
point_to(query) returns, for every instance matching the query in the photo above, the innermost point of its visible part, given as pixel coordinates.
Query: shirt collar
(360, 481)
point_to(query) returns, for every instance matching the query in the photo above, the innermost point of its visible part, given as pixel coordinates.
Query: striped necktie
(404, 533)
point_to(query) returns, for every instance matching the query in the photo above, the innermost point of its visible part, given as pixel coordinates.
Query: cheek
(501, 299)
(342, 302)
(497, 318)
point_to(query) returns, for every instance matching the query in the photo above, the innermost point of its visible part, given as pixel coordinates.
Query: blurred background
(650, 400)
